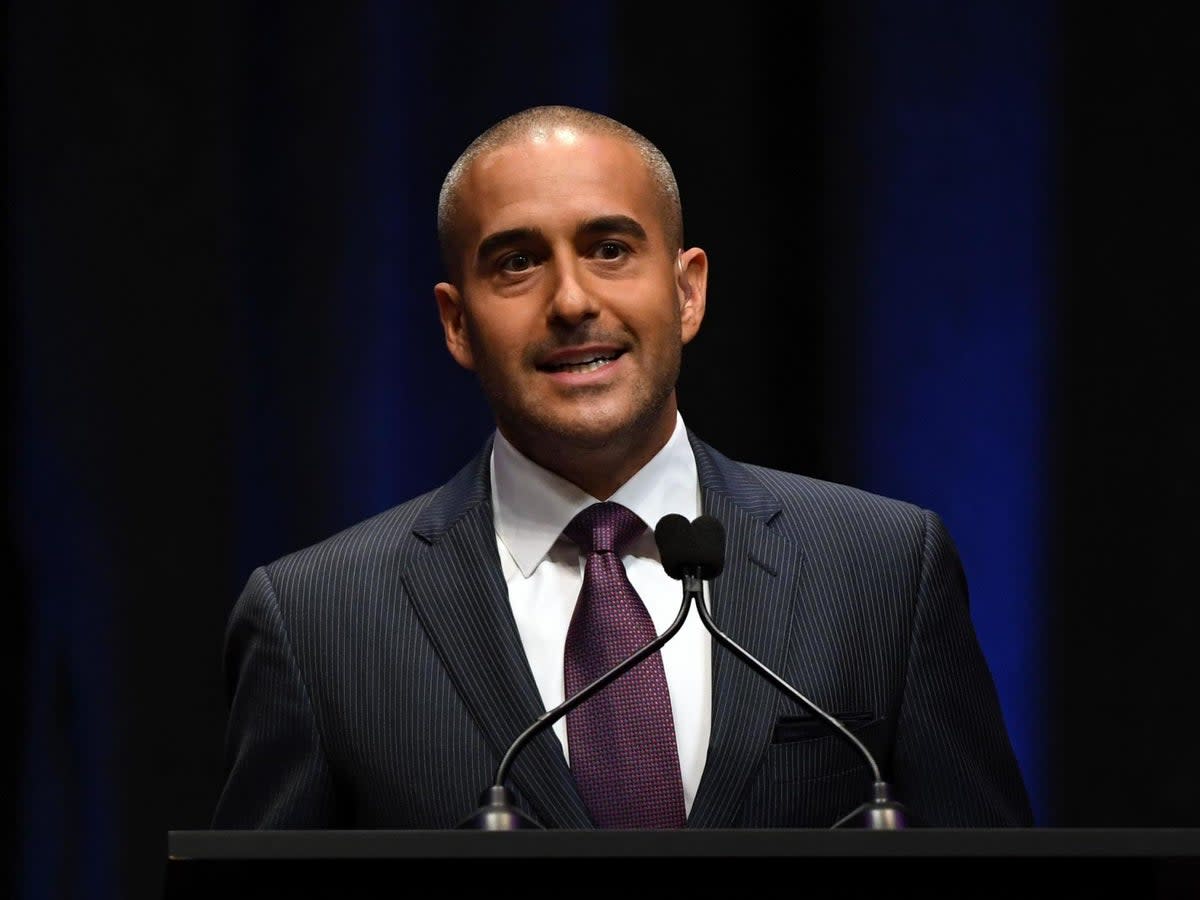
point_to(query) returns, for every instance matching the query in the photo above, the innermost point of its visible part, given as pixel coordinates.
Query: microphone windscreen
(676, 543)
(709, 536)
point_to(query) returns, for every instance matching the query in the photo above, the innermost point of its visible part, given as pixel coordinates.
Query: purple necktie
(622, 740)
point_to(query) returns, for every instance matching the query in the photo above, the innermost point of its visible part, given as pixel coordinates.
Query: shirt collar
(532, 505)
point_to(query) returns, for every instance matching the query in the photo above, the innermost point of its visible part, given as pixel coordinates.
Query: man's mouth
(586, 365)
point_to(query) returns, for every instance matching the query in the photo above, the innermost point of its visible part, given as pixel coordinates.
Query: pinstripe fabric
(376, 678)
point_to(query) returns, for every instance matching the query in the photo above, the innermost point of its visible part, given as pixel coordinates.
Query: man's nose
(572, 301)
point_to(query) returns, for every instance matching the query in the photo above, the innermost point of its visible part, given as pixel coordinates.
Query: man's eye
(516, 262)
(610, 250)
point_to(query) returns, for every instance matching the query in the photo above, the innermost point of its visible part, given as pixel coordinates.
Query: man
(378, 677)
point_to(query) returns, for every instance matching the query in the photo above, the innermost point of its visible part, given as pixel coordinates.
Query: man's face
(571, 307)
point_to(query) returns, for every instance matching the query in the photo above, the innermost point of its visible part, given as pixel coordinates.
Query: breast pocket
(789, 729)
(805, 747)
(811, 777)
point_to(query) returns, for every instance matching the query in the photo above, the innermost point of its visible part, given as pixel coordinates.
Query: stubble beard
(588, 426)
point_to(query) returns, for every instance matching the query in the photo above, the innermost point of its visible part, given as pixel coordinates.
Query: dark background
(223, 344)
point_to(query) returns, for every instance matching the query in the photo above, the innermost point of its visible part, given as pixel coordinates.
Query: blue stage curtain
(944, 300)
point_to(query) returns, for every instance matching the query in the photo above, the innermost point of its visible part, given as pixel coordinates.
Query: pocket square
(806, 727)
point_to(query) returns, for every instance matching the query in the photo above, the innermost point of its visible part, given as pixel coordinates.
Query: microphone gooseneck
(696, 551)
(691, 552)
(498, 810)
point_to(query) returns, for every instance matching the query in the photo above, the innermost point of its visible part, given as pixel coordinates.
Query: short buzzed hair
(544, 118)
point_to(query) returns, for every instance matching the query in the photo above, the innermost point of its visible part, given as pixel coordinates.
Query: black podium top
(1134, 843)
(1016, 863)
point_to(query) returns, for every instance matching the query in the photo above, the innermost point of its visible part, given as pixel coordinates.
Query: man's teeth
(590, 366)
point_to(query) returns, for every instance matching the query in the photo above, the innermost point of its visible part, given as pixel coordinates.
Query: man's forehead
(578, 175)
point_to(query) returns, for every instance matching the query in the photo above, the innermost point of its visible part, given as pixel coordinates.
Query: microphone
(687, 547)
(692, 551)
(498, 810)
(676, 541)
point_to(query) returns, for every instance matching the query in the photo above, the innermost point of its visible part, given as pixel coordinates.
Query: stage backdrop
(952, 249)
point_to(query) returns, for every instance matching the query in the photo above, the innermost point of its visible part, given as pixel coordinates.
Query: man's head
(571, 296)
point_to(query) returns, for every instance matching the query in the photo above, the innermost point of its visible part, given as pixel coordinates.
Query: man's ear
(691, 279)
(450, 309)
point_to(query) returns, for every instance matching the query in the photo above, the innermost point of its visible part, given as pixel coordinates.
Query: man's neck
(599, 471)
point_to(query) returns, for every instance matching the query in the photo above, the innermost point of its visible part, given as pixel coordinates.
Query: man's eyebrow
(494, 242)
(615, 224)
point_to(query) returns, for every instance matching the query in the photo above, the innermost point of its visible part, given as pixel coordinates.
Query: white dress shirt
(544, 574)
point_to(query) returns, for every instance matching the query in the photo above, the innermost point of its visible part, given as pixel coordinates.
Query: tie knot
(604, 526)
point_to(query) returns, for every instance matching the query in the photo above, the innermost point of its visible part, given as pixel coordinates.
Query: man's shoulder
(844, 525)
(794, 488)
(386, 535)
(798, 493)
(802, 506)
(391, 536)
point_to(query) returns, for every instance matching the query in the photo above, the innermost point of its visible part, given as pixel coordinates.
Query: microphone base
(880, 813)
(888, 816)
(498, 812)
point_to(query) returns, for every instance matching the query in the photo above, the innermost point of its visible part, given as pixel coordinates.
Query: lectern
(1017, 864)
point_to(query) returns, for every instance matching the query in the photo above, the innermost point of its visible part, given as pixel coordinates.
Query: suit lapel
(752, 603)
(457, 588)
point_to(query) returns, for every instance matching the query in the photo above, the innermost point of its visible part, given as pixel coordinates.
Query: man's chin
(589, 433)
(583, 431)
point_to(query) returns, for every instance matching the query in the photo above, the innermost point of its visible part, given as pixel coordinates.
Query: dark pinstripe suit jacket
(376, 678)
